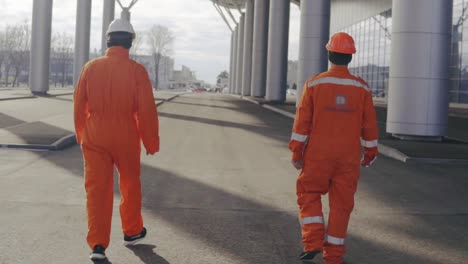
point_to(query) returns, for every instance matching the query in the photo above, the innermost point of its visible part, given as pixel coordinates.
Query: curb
(383, 149)
(33, 96)
(64, 142)
(18, 98)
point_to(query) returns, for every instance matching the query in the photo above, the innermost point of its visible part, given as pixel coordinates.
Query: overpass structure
(420, 51)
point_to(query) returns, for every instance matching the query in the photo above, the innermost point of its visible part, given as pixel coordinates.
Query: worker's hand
(370, 155)
(298, 164)
(368, 160)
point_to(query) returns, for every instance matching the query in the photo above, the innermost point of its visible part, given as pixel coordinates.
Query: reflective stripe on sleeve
(369, 144)
(299, 137)
(339, 81)
(335, 240)
(312, 220)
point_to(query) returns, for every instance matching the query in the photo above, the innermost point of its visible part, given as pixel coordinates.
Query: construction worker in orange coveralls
(114, 109)
(335, 117)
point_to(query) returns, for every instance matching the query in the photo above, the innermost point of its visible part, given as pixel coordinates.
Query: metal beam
(222, 16)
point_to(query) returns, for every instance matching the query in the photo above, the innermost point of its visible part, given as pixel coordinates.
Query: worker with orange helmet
(334, 120)
(114, 109)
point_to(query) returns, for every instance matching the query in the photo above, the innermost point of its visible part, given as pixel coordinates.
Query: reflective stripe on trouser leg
(310, 205)
(312, 220)
(335, 240)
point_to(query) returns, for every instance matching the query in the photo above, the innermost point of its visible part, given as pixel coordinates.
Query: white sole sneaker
(134, 242)
(97, 256)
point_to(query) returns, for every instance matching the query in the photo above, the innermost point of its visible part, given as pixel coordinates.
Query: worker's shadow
(147, 255)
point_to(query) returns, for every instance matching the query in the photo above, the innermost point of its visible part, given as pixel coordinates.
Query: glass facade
(372, 61)
(373, 43)
(459, 56)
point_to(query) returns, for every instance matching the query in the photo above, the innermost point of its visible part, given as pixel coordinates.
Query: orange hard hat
(341, 43)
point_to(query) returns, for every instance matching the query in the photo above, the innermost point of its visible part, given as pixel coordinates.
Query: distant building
(166, 69)
(185, 78)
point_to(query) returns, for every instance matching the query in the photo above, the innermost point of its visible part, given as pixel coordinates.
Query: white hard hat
(121, 25)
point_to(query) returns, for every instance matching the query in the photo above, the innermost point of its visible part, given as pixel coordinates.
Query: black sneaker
(132, 240)
(99, 253)
(308, 256)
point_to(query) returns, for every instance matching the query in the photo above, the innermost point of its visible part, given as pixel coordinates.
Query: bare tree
(3, 52)
(20, 54)
(10, 42)
(160, 40)
(136, 44)
(62, 48)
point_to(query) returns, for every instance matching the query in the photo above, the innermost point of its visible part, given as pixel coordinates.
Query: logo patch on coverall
(340, 100)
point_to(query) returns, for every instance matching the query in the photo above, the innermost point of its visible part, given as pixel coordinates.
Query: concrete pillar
(277, 62)
(240, 55)
(315, 31)
(248, 45)
(82, 35)
(107, 17)
(419, 72)
(231, 61)
(234, 68)
(260, 47)
(40, 46)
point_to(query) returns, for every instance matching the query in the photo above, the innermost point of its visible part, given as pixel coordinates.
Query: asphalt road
(222, 191)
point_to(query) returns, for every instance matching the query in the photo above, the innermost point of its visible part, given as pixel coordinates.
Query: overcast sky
(202, 38)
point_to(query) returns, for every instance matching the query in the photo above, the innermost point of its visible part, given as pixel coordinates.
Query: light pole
(125, 14)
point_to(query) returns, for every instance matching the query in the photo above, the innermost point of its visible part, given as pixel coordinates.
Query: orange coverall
(335, 116)
(114, 109)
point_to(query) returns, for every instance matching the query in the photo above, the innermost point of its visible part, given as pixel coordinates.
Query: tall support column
(248, 45)
(277, 62)
(40, 46)
(315, 31)
(232, 88)
(240, 55)
(260, 47)
(419, 72)
(231, 60)
(82, 35)
(107, 17)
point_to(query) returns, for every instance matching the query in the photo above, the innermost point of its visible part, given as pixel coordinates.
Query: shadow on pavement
(147, 255)
(9, 121)
(252, 232)
(263, 122)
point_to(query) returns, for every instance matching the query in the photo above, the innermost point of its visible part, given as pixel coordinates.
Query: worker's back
(338, 107)
(112, 92)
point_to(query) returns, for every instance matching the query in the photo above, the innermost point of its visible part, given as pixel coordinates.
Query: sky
(202, 39)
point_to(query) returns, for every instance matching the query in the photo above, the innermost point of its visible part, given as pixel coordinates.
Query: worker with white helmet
(114, 110)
